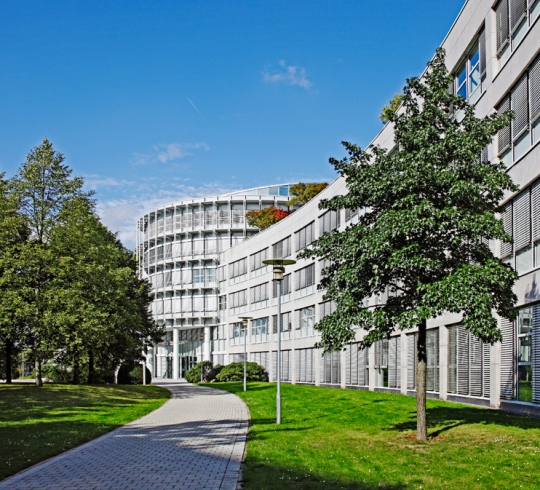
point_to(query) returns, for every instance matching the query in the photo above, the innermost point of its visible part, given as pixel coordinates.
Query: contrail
(194, 106)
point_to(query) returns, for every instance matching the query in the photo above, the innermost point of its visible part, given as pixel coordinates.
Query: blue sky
(155, 101)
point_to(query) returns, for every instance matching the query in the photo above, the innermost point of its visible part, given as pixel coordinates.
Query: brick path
(194, 441)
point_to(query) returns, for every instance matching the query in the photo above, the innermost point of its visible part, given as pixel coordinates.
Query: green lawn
(37, 423)
(331, 439)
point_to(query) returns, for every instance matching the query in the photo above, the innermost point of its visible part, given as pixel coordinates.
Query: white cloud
(168, 152)
(291, 75)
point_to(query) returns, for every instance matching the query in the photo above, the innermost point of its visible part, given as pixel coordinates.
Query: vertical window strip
(536, 354)
(504, 136)
(520, 107)
(534, 94)
(518, 12)
(522, 220)
(507, 248)
(503, 28)
(507, 360)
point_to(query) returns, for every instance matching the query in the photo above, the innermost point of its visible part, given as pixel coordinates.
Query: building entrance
(187, 362)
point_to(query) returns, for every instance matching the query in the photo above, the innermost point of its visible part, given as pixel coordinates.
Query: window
(259, 330)
(238, 271)
(388, 362)
(282, 248)
(285, 286)
(326, 308)
(285, 365)
(513, 18)
(305, 236)
(331, 368)
(432, 354)
(257, 266)
(238, 301)
(237, 334)
(305, 277)
(357, 369)
(521, 220)
(198, 276)
(329, 221)
(222, 303)
(524, 99)
(209, 275)
(261, 358)
(286, 325)
(259, 296)
(524, 324)
(305, 372)
(306, 320)
(468, 363)
(471, 75)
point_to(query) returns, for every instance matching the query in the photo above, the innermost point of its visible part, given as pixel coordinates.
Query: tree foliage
(302, 192)
(388, 111)
(69, 289)
(430, 207)
(263, 218)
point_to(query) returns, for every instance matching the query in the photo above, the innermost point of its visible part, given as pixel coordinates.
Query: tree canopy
(430, 210)
(391, 108)
(302, 192)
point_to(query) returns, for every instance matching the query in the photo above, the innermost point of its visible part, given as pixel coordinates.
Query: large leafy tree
(13, 307)
(44, 187)
(302, 192)
(430, 208)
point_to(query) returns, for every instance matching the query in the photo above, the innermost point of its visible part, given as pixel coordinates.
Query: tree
(391, 108)
(13, 234)
(430, 207)
(265, 217)
(44, 187)
(302, 192)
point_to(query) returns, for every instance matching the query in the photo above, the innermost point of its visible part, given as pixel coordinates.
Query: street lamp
(202, 361)
(279, 270)
(245, 320)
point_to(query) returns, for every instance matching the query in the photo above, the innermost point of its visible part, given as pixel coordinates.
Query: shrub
(136, 375)
(235, 372)
(194, 374)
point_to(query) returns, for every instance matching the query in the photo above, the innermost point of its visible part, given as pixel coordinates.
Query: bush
(235, 372)
(56, 373)
(127, 376)
(136, 375)
(194, 374)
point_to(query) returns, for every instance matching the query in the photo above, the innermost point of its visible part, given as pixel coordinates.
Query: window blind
(518, 11)
(534, 81)
(507, 248)
(502, 25)
(411, 361)
(522, 220)
(536, 354)
(507, 359)
(504, 135)
(520, 106)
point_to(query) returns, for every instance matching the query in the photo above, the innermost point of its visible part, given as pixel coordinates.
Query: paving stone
(195, 440)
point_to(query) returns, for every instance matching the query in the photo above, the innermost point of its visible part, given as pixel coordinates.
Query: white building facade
(493, 50)
(178, 247)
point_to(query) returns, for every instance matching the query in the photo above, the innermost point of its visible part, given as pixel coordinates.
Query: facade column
(372, 371)
(443, 362)
(343, 364)
(207, 347)
(150, 360)
(176, 353)
(495, 375)
(403, 371)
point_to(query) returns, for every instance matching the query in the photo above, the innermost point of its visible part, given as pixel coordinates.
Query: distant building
(493, 52)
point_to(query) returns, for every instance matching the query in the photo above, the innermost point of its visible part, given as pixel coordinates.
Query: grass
(332, 439)
(37, 423)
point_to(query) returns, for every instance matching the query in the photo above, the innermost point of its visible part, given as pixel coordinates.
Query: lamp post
(202, 361)
(245, 320)
(279, 270)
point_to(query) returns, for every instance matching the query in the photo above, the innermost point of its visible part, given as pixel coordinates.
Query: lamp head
(279, 266)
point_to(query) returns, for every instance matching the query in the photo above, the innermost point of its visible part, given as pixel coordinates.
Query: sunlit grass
(332, 438)
(37, 423)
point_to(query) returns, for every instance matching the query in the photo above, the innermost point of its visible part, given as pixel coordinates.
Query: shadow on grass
(450, 417)
(266, 476)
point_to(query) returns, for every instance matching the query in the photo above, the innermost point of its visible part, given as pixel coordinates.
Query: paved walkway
(194, 441)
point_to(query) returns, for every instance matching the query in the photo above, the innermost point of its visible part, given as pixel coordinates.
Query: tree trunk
(76, 369)
(91, 374)
(421, 371)
(8, 360)
(39, 381)
(117, 369)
